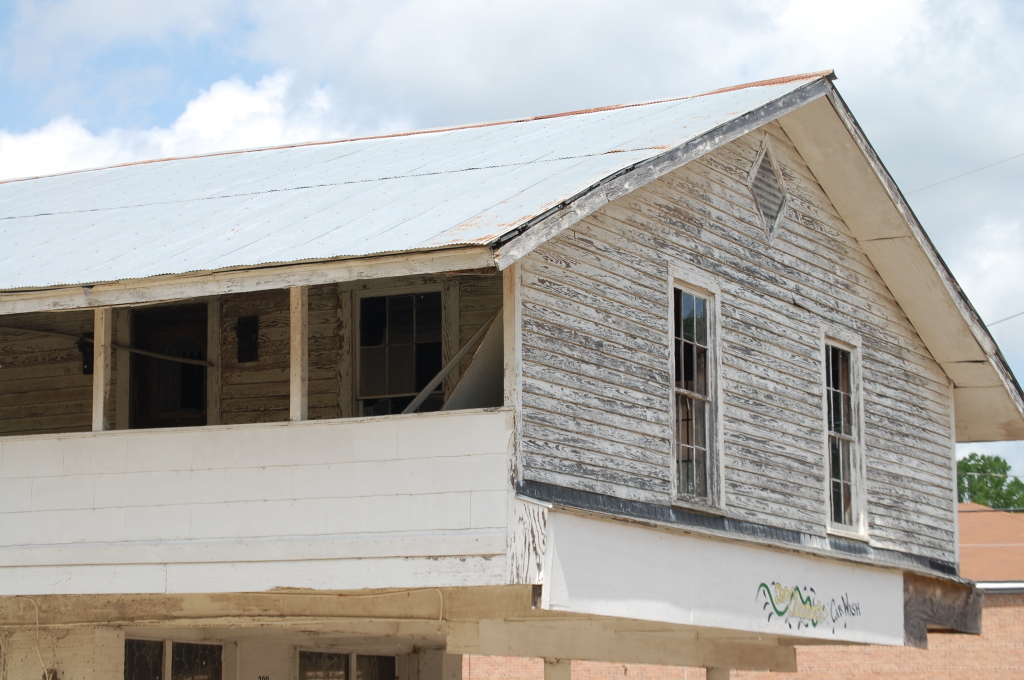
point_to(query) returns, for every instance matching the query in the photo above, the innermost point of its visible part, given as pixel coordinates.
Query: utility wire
(1012, 316)
(969, 172)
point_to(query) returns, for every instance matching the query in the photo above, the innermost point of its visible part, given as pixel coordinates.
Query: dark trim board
(689, 519)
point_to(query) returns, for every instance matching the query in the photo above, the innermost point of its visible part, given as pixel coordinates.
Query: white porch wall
(401, 501)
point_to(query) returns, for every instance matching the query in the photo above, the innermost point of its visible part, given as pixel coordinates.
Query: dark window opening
(195, 662)
(168, 393)
(144, 660)
(248, 333)
(399, 352)
(335, 666)
(88, 353)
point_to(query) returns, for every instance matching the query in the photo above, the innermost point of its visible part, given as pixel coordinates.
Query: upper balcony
(395, 501)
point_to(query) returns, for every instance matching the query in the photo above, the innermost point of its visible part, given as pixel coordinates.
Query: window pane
(400, 319)
(700, 313)
(322, 666)
(699, 423)
(372, 321)
(684, 431)
(372, 371)
(195, 662)
(688, 366)
(375, 667)
(847, 421)
(688, 320)
(143, 659)
(401, 367)
(700, 370)
(835, 458)
(428, 363)
(428, 317)
(844, 453)
(837, 502)
(700, 483)
(843, 370)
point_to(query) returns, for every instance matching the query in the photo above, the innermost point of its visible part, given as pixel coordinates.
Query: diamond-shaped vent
(768, 192)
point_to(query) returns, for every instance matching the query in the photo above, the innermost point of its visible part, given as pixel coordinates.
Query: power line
(1012, 316)
(969, 172)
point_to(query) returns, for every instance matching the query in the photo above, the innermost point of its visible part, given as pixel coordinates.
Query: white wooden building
(673, 383)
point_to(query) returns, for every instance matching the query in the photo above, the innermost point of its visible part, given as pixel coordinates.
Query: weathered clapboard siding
(595, 353)
(42, 387)
(255, 392)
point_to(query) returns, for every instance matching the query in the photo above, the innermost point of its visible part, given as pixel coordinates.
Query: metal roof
(414, 191)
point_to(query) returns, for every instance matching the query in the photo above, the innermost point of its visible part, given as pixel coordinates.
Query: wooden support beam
(103, 329)
(213, 339)
(299, 373)
(122, 370)
(617, 642)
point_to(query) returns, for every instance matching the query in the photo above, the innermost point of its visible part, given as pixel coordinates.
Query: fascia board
(545, 227)
(989, 402)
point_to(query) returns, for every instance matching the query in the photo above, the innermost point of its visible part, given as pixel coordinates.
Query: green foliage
(987, 480)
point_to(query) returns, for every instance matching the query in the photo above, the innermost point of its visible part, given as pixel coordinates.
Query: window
(144, 660)
(693, 407)
(399, 351)
(842, 438)
(169, 393)
(335, 666)
(247, 332)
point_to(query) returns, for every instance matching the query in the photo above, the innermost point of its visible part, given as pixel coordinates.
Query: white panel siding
(595, 354)
(382, 490)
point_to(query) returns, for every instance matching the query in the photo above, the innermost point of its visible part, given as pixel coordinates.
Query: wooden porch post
(103, 327)
(299, 374)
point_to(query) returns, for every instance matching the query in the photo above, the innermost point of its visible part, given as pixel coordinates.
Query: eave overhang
(989, 403)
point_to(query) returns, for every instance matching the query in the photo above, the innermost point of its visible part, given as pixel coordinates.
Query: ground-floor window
(337, 666)
(149, 660)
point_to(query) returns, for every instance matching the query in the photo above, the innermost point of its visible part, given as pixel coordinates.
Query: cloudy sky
(938, 87)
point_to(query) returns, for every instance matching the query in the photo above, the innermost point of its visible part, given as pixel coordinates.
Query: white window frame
(770, 229)
(696, 282)
(843, 339)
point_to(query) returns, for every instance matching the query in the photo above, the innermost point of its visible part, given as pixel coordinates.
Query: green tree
(987, 480)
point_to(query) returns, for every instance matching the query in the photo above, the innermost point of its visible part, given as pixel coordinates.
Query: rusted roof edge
(520, 241)
(829, 74)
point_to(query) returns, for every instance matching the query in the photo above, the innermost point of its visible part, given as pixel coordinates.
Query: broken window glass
(399, 351)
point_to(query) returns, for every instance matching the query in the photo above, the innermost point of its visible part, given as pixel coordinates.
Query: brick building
(991, 553)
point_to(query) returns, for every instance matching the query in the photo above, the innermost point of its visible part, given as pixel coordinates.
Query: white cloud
(230, 115)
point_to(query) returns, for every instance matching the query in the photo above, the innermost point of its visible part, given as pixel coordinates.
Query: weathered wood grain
(595, 322)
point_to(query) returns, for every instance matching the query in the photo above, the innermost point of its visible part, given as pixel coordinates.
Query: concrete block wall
(75, 654)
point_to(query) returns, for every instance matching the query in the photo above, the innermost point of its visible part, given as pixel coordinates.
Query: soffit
(988, 401)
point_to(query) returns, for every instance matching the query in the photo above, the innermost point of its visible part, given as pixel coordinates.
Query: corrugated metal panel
(342, 199)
